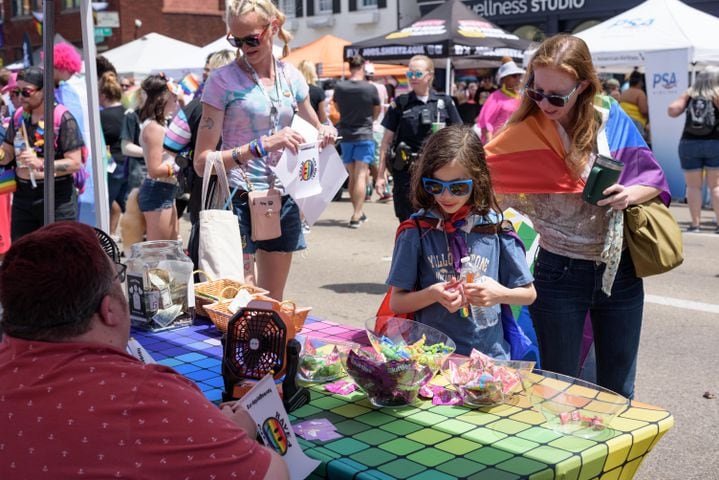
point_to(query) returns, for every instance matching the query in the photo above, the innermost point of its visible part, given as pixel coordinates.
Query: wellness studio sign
(493, 8)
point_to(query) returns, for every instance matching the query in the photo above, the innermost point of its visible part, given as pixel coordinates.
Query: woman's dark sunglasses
(25, 92)
(250, 40)
(555, 100)
(458, 188)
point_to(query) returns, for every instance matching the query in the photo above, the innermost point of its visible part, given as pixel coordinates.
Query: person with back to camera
(634, 102)
(539, 164)
(112, 117)
(457, 217)
(408, 124)
(157, 192)
(502, 103)
(250, 104)
(83, 407)
(699, 145)
(28, 212)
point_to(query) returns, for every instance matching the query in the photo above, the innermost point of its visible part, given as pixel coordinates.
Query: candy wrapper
(440, 395)
(484, 381)
(387, 383)
(419, 351)
(321, 363)
(342, 387)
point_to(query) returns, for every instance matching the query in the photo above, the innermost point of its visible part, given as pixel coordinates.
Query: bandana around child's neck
(456, 242)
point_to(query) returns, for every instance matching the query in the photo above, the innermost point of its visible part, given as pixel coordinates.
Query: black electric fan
(257, 344)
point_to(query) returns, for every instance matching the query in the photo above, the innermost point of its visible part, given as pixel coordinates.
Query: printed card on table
(265, 407)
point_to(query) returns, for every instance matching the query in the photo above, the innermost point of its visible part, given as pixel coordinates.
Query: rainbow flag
(190, 83)
(7, 181)
(529, 156)
(37, 20)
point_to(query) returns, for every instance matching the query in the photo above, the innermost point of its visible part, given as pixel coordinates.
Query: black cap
(33, 76)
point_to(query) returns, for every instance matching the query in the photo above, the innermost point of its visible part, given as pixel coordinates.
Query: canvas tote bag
(220, 245)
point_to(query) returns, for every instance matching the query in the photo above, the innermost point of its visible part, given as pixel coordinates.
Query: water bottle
(485, 317)
(19, 144)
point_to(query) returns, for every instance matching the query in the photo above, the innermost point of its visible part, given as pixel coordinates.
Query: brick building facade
(194, 21)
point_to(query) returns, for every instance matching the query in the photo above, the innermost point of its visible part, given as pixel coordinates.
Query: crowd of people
(455, 164)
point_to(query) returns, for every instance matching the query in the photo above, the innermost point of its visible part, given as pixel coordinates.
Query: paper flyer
(330, 174)
(138, 351)
(265, 407)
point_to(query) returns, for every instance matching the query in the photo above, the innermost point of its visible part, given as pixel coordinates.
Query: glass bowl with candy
(387, 383)
(320, 359)
(571, 405)
(401, 339)
(483, 381)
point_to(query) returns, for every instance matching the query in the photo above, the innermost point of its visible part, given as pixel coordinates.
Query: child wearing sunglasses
(457, 217)
(540, 163)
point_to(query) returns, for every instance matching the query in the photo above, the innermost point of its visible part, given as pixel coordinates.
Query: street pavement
(342, 273)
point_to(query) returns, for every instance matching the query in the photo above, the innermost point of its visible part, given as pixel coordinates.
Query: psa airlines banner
(666, 79)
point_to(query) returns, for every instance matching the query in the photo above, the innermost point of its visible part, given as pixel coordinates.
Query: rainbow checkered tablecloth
(426, 442)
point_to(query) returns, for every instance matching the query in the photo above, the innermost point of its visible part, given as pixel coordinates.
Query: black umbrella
(450, 31)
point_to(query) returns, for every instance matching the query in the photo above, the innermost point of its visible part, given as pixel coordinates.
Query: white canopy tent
(667, 39)
(157, 53)
(621, 43)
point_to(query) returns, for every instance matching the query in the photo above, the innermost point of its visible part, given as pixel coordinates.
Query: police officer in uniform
(408, 123)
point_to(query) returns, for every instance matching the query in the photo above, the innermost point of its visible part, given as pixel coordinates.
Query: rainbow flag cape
(529, 156)
(189, 83)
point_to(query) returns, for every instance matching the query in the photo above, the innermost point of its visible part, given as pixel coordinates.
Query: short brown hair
(52, 282)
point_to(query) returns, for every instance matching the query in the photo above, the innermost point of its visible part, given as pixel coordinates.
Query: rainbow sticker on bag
(308, 170)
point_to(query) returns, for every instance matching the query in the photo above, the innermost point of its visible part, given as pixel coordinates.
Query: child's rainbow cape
(529, 156)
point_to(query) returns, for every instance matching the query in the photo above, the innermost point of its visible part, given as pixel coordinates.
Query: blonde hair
(427, 62)
(265, 8)
(221, 58)
(569, 55)
(706, 84)
(110, 87)
(308, 70)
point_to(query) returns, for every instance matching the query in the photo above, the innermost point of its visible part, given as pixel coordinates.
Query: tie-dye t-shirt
(247, 112)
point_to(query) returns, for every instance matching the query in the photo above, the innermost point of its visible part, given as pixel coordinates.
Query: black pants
(400, 194)
(28, 212)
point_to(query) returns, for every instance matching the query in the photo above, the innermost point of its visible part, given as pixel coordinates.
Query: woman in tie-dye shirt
(250, 104)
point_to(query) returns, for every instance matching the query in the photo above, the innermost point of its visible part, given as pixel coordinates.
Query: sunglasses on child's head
(458, 188)
(250, 40)
(416, 74)
(25, 92)
(555, 100)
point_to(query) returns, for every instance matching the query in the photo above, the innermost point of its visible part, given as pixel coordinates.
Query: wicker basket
(213, 291)
(219, 312)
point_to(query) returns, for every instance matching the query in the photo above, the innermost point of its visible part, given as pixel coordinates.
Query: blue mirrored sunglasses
(458, 188)
(417, 75)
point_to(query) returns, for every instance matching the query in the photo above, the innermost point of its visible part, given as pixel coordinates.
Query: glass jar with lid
(159, 286)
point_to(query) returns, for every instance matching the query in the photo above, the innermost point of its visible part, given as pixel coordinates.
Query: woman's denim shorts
(292, 238)
(156, 195)
(696, 154)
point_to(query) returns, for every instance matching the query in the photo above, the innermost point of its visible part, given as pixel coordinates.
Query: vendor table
(426, 442)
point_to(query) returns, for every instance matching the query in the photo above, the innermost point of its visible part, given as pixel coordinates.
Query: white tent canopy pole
(99, 177)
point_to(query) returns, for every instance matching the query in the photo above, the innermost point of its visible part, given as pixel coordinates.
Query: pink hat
(11, 83)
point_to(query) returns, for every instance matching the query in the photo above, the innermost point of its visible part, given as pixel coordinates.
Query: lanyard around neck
(274, 104)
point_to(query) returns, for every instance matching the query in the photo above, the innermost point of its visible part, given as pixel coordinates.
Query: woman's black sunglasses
(251, 40)
(555, 100)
